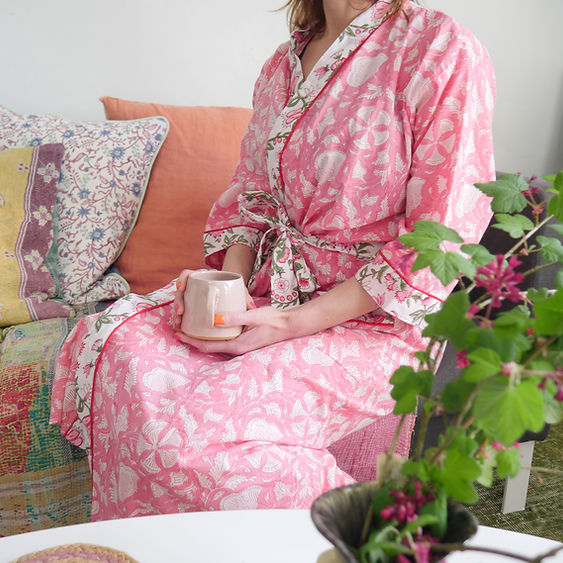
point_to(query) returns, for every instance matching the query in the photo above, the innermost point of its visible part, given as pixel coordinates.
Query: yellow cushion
(28, 184)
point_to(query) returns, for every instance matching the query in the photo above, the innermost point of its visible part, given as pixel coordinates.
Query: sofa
(90, 211)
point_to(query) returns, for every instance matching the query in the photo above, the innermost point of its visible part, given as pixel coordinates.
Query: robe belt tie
(292, 281)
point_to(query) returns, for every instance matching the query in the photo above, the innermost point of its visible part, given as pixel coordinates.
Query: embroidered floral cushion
(104, 174)
(193, 168)
(28, 185)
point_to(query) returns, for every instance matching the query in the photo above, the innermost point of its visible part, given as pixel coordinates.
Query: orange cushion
(193, 167)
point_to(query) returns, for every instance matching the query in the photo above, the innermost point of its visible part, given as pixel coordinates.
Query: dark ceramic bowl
(339, 515)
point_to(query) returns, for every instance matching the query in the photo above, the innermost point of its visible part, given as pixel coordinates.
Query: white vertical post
(516, 488)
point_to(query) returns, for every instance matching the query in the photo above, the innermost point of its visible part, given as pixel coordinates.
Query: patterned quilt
(44, 480)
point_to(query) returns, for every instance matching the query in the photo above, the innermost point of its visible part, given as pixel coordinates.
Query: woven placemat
(77, 553)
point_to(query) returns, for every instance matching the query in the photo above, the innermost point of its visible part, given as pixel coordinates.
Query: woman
(373, 116)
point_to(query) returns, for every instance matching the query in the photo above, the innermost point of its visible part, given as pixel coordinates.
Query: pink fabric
(356, 453)
(171, 429)
(393, 125)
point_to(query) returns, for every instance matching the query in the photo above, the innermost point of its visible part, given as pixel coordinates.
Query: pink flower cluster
(422, 550)
(557, 378)
(500, 281)
(405, 508)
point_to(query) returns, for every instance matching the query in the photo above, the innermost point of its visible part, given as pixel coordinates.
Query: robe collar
(302, 93)
(355, 33)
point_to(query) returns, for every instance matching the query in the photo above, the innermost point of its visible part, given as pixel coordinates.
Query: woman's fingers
(249, 301)
(250, 317)
(179, 297)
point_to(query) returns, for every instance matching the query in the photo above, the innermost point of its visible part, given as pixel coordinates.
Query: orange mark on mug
(219, 320)
(178, 286)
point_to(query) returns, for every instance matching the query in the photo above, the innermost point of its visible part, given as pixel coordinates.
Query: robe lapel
(302, 93)
(292, 282)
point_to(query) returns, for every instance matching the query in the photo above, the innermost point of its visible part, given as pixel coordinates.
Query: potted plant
(511, 381)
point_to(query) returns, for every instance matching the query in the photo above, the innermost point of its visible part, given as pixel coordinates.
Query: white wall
(523, 38)
(60, 56)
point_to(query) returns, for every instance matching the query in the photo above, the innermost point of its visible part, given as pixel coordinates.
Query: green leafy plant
(511, 379)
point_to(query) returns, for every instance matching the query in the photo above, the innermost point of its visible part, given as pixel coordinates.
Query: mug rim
(215, 275)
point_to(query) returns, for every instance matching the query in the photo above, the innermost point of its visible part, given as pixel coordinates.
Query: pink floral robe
(392, 125)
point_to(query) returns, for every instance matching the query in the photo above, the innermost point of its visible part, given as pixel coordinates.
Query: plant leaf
(484, 363)
(408, 385)
(458, 475)
(455, 393)
(551, 250)
(446, 266)
(508, 463)
(450, 321)
(558, 180)
(549, 314)
(515, 321)
(479, 253)
(438, 508)
(505, 411)
(555, 206)
(371, 551)
(420, 522)
(514, 225)
(555, 179)
(506, 192)
(429, 235)
(460, 441)
(380, 499)
(536, 295)
(557, 228)
(510, 349)
(382, 551)
(553, 407)
(488, 462)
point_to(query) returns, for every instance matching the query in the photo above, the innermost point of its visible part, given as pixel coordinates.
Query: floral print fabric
(393, 125)
(28, 185)
(171, 429)
(104, 173)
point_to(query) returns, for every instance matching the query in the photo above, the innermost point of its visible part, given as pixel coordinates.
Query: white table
(246, 536)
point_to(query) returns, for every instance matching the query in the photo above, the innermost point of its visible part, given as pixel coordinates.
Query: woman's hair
(309, 14)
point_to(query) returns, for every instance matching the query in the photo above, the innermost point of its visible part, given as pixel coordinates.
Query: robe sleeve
(225, 225)
(449, 99)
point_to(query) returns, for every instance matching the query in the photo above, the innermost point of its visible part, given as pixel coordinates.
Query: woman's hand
(179, 298)
(268, 325)
(181, 284)
(262, 327)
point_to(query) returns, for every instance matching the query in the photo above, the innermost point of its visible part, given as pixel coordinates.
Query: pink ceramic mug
(209, 294)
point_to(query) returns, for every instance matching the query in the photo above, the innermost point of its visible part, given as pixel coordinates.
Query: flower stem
(447, 547)
(538, 268)
(541, 350)
(529, 234)
(397, 434)
(421, 434)
(539, 469)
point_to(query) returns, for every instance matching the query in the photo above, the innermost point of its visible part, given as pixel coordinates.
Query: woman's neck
(339, 13)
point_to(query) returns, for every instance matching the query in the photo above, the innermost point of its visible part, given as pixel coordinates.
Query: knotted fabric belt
(292, 281)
